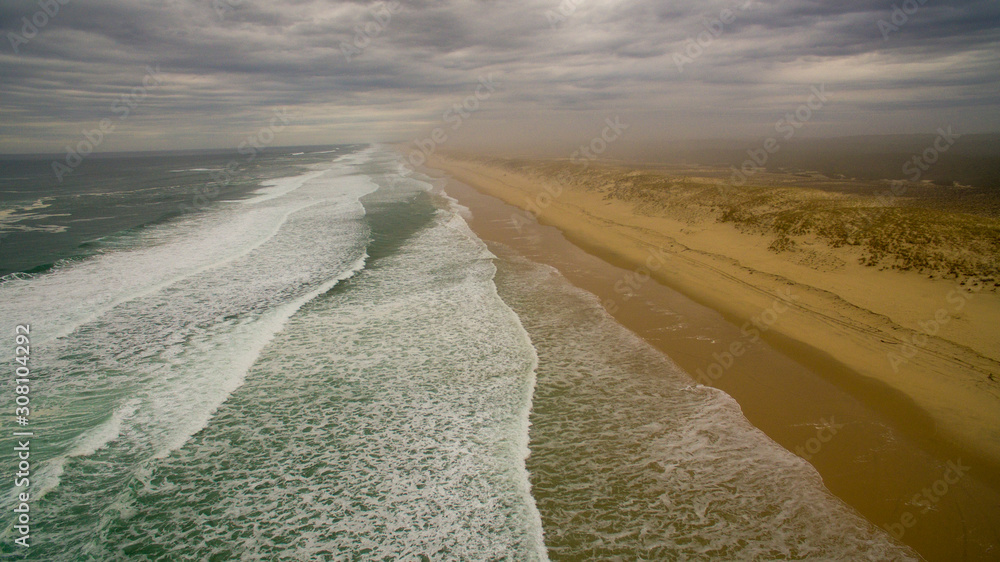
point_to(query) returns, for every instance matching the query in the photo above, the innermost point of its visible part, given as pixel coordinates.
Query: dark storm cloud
(229, 62)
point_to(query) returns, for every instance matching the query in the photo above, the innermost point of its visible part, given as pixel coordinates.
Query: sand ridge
(924, 344)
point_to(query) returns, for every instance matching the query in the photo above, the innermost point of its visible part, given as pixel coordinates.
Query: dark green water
(330, 365)
(105, 200)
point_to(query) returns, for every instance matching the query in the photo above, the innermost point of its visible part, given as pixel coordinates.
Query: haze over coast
(525, 280)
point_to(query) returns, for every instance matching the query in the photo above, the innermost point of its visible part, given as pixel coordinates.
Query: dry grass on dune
(927, 229)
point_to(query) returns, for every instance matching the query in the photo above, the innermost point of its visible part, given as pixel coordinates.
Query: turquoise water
(332, 366)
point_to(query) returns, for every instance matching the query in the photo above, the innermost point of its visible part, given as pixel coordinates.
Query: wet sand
(873, 447)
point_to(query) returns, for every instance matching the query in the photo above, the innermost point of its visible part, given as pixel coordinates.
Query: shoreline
(786, 405)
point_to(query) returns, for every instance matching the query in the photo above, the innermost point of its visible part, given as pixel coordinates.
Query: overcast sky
(558, 69)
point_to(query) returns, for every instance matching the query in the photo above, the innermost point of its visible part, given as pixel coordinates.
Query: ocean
(317, 359)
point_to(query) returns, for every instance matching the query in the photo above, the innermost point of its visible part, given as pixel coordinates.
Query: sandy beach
(534, 281)
(879, 376)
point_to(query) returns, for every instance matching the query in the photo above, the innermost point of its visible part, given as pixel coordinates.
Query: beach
(507, 281)
(385, 369)
(879, 377)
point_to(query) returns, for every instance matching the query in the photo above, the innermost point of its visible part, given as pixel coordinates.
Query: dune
(867, 289)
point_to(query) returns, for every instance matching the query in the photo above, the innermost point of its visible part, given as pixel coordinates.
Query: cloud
(229, 63)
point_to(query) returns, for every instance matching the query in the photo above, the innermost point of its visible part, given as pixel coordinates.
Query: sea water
(328, 364)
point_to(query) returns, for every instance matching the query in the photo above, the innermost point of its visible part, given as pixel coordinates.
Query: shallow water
(338, 368)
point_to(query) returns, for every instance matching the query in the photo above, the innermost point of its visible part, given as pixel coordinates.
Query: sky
(503, 74)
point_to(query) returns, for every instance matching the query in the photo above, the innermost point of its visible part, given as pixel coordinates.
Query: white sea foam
(456, 207)
(632, 460)
(237, 356)
(140, 346)
(71, 296)
(280, 186)
(388, 418)
(96, 439)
